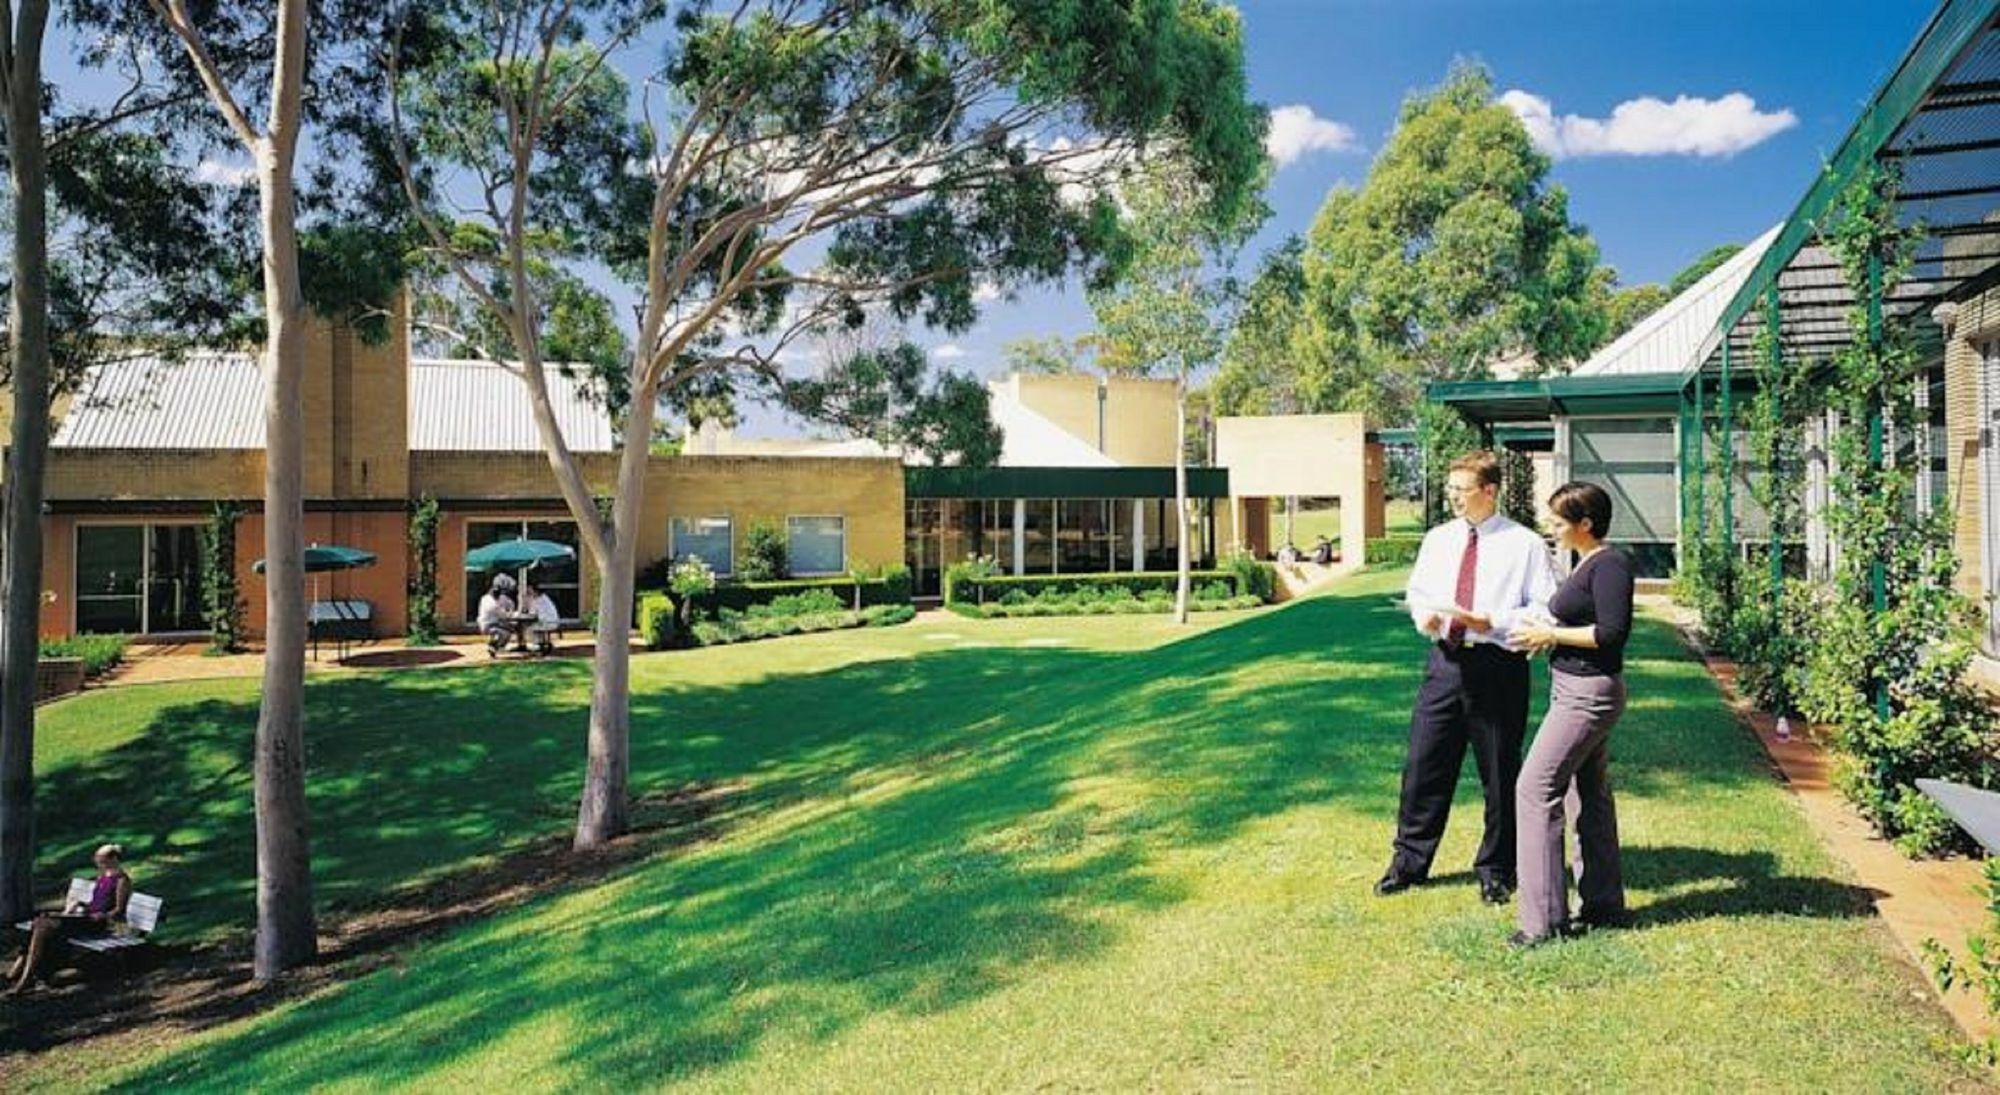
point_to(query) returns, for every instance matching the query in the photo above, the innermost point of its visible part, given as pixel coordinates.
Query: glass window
(1038, 536)
(816, 545)
(110, 576)
(1083, 536)
(998, 516)
(707, 538)
(562, 581)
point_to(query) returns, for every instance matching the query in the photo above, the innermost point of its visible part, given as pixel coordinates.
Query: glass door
(173, 579)
(110, 579)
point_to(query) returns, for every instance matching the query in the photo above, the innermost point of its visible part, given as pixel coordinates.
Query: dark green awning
(1061, 482)
(1493, 401)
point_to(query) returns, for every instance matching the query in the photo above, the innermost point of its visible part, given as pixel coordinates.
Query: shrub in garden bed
(100, 653)
(1106, 600)
(731, 626)
(1392, 551)
(875, 586)
(967, 586)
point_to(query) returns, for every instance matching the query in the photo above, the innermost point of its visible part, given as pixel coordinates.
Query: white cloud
(985, 292)
(1647, 126)
(217, 173)
(1297, 131)
(950, 351)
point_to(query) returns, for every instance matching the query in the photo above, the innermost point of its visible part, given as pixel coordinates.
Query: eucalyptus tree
(783, 167)
(22, 30)
(243, 69)
(1166, 312)
(117, 250)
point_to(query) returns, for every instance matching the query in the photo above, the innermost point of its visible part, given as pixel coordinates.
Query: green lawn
(964, 856)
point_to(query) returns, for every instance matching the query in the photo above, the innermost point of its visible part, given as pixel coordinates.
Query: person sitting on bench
(108, 896)
(548, 621)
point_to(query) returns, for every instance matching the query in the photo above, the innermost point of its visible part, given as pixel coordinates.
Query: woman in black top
(1590, 619)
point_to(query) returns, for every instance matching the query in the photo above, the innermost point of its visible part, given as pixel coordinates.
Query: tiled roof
(216, 401)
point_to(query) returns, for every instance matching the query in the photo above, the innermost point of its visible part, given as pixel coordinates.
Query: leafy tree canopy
(1455, 252)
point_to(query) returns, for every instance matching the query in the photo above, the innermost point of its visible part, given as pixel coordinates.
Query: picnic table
(521, 624)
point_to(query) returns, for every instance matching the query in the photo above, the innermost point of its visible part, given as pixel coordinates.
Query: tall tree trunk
(604, 810)
(21, 583)
(1180, 498)
(285, 928)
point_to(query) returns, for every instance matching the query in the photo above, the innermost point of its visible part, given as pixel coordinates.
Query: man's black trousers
(1475, 696)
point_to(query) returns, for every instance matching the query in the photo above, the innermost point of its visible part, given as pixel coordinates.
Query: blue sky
(1771, 87)
(1352, 62)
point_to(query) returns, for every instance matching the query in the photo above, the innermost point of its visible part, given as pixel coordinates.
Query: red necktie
(1468, 567)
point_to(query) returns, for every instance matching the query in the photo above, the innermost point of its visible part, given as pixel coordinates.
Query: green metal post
(1773, 365)
(1727, 458)
(1878, 577)
(1700, 463)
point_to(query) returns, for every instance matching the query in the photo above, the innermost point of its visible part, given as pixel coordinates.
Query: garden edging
(1917, 900)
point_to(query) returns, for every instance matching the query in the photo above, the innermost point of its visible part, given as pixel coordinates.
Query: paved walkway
(161, 662)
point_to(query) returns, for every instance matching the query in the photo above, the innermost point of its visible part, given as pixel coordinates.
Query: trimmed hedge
(1109, 607)
(891, 587)
(1393, 551)
(733, 627)
(968, 590)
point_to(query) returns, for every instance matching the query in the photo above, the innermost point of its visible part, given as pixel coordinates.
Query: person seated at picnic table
(547, 621)
(1323, 551)
(494, 609)
(108, 895)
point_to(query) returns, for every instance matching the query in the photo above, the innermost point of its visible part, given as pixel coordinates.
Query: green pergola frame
(1937, 120)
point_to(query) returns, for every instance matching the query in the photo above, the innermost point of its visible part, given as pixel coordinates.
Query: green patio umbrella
(516, 554)
(320, 558)
(323, 557)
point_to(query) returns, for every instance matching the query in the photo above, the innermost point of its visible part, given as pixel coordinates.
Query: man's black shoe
(1521, 941)
(1395, 882)
(1594, 921)
(1496, 891)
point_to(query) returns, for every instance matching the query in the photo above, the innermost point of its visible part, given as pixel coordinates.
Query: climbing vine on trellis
(221, 600)
(423, 578)
(1767, 633)
(1890, 639)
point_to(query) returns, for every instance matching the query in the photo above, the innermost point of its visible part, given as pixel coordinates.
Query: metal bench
(1975, 811)
(142, 915)
(340, 622)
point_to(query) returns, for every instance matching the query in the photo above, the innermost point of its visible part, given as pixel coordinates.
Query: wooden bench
(142, 915)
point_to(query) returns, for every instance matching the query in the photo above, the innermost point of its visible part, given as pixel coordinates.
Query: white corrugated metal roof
(216, 401)
(1675, 338)
(477, 406)
(202, 401)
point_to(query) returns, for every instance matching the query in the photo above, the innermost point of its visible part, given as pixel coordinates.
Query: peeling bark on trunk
(286, 935)
(21, 584)
(604, 811)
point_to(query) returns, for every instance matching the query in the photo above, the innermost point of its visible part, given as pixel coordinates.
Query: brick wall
(134, 475)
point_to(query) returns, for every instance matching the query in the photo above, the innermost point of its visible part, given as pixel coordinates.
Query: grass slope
(962, 857)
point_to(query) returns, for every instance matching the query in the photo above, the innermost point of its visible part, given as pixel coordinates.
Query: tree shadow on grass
(913, 833)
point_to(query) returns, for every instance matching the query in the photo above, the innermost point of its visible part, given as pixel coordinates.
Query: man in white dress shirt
(1474, 578)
